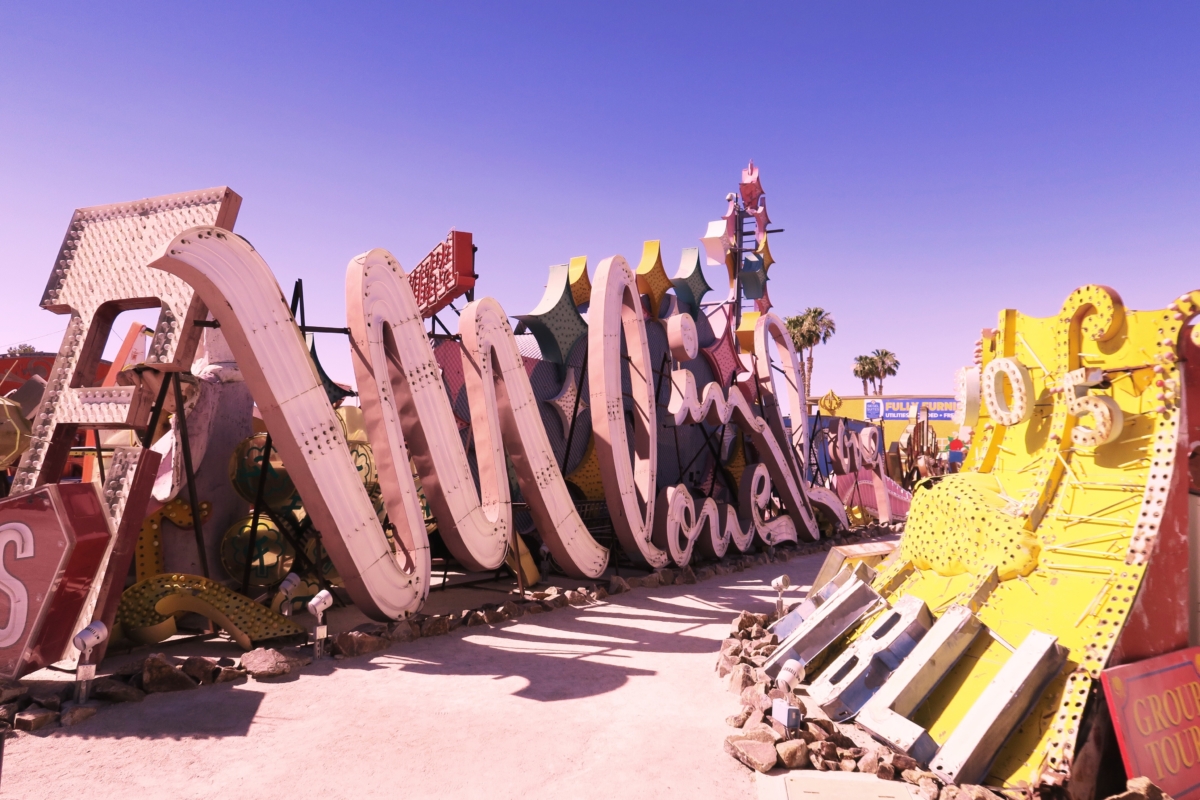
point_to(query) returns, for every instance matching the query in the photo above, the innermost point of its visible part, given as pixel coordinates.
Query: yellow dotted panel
(271, 556)
(962, 526)
(745, 331)
(581, 284)
(147, 608)
(148, 558)
(587, 475)
(736, 464)
(245, 466)
(1068, 528)
(652, 279)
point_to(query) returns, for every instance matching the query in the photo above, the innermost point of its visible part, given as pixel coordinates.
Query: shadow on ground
(563, 655)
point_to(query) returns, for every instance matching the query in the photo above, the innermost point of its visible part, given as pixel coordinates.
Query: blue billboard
(940, 408)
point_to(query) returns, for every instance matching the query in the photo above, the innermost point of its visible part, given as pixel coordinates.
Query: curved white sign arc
(242, 295)
(21, 537)
(407, 412)
(771, 328)
(395, 363)
(409, 417)
(717, 408)
(616, 308)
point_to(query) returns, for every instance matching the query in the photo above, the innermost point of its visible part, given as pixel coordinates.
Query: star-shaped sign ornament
(716, 243)
(763, 304)
(586, 474)
(565, 401)
(555, 322)
(722, 353)
(754, 277)
(764, 251)
(581, 283)
(690, 284)
(751, 185)
(761, 220)
(652, 279)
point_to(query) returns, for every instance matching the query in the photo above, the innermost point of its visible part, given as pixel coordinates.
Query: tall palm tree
(809, 328)
(865, 369)
(888, 363)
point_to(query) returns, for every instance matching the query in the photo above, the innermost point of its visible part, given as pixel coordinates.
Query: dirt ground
(614, 700)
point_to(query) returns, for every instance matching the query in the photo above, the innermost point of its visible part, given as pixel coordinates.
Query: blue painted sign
(873, 409)
(940, 408)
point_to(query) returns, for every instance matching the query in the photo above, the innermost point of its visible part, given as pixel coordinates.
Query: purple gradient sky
(932, 163)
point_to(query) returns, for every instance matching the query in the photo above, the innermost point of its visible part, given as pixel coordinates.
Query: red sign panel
(1155, 707)
(52, 541)
(446, 273)
(15, 370)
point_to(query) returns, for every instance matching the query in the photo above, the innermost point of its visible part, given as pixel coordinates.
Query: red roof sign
(446, 273)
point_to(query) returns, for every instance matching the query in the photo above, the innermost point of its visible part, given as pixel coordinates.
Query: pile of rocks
(1140, 788)
(372, 637)
(39, 705)
(36, 706)
(765, 742)
(746, 650)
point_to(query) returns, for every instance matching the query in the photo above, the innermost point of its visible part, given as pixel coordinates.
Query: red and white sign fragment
(52, 541)
(446, 273)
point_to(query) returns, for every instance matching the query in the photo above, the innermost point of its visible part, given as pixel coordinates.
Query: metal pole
(662, 374)
(516, 548)
(156, 410)
(99, 456)
(699, 453)
(737, 264)
(716, 454)
(298, 545)
(258, 504)
(5, 728)
(191, 474)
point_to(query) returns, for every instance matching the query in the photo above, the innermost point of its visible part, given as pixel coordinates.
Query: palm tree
(865, 369)
(888, 366)
(811, 327)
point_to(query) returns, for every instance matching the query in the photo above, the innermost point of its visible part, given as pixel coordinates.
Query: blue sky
(931, 163)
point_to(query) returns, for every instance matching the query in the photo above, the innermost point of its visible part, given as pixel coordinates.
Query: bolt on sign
(1155, 707)
(52, 542)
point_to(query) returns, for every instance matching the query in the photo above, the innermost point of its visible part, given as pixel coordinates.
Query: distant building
(892, 411)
